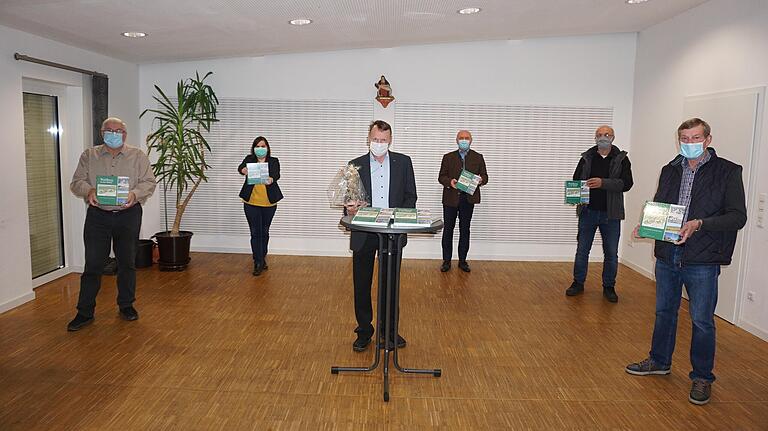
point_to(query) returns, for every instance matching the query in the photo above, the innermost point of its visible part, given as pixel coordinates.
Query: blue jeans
(701, 284)
(610, 230)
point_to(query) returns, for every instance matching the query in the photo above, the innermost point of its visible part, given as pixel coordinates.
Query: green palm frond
(177, 136)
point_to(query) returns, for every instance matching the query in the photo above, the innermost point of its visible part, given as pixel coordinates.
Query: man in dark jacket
(456, 202)
(389, 180)
(712, 191)
(609, 174)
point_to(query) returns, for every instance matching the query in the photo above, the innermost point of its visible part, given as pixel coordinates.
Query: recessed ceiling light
(300, 21)
(468, 10)
(635, 1)
(134, 34)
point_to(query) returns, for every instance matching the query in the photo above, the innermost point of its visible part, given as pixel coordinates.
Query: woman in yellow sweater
(260, 195)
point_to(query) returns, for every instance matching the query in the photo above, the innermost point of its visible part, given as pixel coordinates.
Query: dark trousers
(362, 274)
(259, 220)
(104, 230)
(464, 212)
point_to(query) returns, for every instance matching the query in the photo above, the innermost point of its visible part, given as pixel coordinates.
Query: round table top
(346, 221)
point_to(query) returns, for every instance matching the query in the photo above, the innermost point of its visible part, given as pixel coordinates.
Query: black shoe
(610, 294)
(646, 367)
(78, 322)
(129, 313)
(446, 266)
(400, 342)
(361, 343)
(701, 390)
(464, 266)
(265, 266)
(575, 289)
(258, 268)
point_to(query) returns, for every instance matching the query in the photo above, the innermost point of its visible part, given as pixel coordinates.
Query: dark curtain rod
(21, 57)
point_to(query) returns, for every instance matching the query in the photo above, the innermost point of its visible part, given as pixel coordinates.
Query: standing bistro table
(390, 243)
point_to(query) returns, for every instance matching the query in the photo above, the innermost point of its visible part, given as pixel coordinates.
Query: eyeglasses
(604, 135)
(121, 131)
(690, 139)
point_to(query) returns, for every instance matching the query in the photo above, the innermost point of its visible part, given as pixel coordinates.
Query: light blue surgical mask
(260, 152)
(113, 139)
(692, 150)
(464, 145)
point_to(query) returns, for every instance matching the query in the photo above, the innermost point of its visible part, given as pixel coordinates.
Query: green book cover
(112, 190)
(576, 192)
(661, 221)
(106, 190)
(258, 173)
(371, 216)
(468, 182)
(406, 217)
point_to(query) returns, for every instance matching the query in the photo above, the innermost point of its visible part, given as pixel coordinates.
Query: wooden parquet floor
(218, 349)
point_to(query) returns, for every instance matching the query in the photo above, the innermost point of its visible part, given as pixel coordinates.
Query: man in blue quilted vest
(712, 191)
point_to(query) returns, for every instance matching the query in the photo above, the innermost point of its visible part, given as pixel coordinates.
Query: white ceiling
(196, 29)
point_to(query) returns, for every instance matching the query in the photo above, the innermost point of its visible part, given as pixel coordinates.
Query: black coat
(717, 199)
(402, 187)
(619, 179)
(273, 190)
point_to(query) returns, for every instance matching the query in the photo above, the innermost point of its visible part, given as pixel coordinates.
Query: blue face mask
(113, 139)
(260, 152)
(464, 145)
(693, 150)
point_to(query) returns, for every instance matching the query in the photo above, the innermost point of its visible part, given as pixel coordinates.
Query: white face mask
(379, 149)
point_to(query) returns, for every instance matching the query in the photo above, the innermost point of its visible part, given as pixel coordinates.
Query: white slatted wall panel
(529, 152)
(312, 140)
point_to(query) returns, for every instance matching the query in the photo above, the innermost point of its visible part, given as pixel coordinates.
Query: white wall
(575, 71)
(719, 46)
(15, 267)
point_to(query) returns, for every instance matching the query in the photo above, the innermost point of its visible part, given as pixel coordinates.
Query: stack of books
(402, 218)
(372, 216)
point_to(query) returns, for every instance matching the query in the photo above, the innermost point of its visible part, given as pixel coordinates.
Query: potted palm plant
(177, 138)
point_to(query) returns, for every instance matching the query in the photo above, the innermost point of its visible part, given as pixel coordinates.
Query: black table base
(388, 296)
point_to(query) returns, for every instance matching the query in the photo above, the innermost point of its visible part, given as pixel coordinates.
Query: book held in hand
(112, 190)
(661, 221)
(576, 192)
(468, 182)
(258, 173)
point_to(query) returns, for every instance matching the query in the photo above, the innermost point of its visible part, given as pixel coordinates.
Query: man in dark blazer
(457, 203)
(389, 181)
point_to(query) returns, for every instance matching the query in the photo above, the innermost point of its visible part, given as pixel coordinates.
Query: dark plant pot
(144, 253)
(174, 250)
